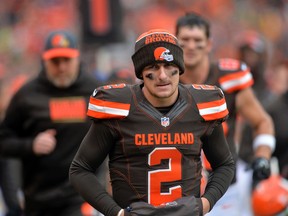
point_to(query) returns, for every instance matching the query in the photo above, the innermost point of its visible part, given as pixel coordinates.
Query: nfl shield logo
(165, 122)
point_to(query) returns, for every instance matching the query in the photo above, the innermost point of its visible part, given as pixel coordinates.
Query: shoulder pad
(234, 75)
(210, 102)
(110, 102)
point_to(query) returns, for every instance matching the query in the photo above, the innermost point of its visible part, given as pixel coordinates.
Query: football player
(153, 132)
(235, 79)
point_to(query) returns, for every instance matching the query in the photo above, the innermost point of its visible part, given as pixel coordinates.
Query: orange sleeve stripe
(100, 115)
(211, 104)
(240, 87)
(110, 104)
(106, 109)
(233, 76)
(213, 110)
(234, 82)
(214, 116)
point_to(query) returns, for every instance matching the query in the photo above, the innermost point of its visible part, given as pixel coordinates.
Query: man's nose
(162, 72)
(62, 65)
(191, 44)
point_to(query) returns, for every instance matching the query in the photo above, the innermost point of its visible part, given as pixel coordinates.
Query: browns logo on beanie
(157, 46)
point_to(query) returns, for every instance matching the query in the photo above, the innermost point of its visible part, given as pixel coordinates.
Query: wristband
(264, 140)
(120, 212)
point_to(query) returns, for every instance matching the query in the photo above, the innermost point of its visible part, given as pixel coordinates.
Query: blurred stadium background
(107, 30)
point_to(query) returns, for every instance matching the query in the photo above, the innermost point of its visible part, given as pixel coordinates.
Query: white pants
(244, 182)
(237, 199)
(228, 204)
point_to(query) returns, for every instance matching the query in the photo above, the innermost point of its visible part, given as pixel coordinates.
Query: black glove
(185, 206)
(261, 170)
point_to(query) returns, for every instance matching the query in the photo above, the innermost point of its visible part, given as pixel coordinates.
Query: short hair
(193, 19)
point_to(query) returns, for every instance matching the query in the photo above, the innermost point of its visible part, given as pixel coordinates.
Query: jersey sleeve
(234, 75)
(210, 102)
(110, 102)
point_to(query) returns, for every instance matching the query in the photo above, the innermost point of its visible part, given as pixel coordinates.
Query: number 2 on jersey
(157, 177)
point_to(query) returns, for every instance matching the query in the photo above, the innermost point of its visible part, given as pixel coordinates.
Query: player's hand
(261, 170)
(206, 205)
(123, 212)
(45, 142)
(185, 206)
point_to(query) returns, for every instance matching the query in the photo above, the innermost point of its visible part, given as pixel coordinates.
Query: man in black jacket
(44, 125)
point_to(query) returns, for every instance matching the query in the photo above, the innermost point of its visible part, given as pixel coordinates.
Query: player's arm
(263, 130)
(251, 110)
(236, 77)
(92, 152)
(219, 156)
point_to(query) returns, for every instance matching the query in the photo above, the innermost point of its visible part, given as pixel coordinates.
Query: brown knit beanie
(157, 46)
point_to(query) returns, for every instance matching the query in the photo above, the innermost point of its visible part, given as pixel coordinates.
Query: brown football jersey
(156, 157)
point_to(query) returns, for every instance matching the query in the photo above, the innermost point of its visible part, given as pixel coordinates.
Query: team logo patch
(160, 36)
(162, 53)
(60, 40)
(165, 121)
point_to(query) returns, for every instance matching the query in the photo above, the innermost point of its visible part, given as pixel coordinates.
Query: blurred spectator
(253, 50)
(44, 125)
(276, 78)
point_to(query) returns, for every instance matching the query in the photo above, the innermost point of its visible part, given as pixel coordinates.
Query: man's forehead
(159, 64)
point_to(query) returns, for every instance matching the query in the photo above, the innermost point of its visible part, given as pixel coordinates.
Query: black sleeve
(219, 156)
(13, 146)
(91, 154)
(11, 128)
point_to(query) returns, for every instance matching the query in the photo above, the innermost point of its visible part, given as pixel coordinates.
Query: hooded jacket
(36, 107)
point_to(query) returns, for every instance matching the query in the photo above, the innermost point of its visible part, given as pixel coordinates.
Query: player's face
(195, 44)
(161, 83)
(62, 72)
